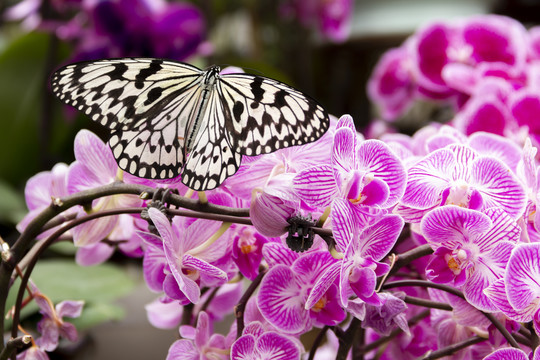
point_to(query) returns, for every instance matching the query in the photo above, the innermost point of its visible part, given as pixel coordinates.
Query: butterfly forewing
(265, 115)
(123, 92)
(153, 106)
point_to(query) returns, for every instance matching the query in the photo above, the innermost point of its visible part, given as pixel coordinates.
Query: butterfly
(169, 118)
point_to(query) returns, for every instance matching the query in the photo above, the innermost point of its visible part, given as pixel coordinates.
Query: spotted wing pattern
(265, 115)
(151, 106)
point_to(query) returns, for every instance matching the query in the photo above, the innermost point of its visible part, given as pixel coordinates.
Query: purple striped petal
(523, 275)
(377, 158)
(344, 287)
(342, 223)
(316, 185)
(464, 156)
(276, 253)
(496, 146)
(186, 285)
(343, 149)
(323, 283)
(281, 300)
(499, 186)
(272, 346)
(504, 228)
(243, 348)
(378, 239)
(311, 265)
(183, 350)
(507, 354)
(346, 121)
(486, 271)
(451, 225)
(162, 224)
(427, 179)
(497, 295)
(208, 272)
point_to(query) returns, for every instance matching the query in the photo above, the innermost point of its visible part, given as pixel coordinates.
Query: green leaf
(96, 313)
(23, 93)
(97, 286)
(64, 279)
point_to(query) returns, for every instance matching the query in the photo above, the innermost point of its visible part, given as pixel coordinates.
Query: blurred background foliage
(326, 48)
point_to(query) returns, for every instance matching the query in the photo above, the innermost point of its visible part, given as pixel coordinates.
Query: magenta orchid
(364, 176)
(360, 266)
(52, 326)
(284, 291)
(40, 190)
(199, 342)
(257, 344)
(471, 249)
(188, 257)
(458, 175)
(95, 166)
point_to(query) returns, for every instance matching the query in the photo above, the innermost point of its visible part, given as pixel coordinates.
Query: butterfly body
(169, 118)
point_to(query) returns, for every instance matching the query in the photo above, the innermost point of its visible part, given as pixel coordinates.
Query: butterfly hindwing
(264, 115)
(212, 160)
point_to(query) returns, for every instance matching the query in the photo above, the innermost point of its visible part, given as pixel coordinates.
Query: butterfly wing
(212, 160)
(147, 102)
(263, 115)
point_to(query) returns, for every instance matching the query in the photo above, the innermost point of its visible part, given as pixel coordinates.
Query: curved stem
(458, 293)
(241, 306)
(317, 342)
(449, 350)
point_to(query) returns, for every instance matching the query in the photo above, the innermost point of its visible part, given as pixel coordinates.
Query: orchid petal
(342, 223)
(499, 186)
(272, 346)
(316, 185)
(276, 253)
(375, 157)
(343, 151)
(507, 354)
(452, 225)
(281, 300)
(209, 272)
(243, 348)
(95, 156)
(428, 178)
(322, 284)
(378, 239)
(523, 273)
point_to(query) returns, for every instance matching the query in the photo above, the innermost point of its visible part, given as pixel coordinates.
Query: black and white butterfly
(170, 118)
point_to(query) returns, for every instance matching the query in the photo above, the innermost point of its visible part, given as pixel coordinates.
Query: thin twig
(241, 306)
(346, 339)
(317, 342)
(456, 292)
(451, 349)
(382, 340)
(427, 303)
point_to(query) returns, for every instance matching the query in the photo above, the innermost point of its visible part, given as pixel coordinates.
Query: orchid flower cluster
(105, 29)
(409, 246)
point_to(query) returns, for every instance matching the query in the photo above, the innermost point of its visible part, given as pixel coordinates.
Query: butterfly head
(211, 76)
